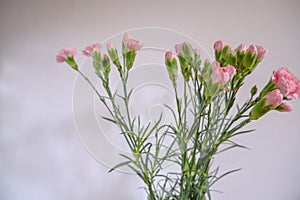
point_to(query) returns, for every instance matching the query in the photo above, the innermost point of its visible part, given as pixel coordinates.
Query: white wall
(40, 154)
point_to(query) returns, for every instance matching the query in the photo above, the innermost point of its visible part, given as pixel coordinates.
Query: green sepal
(70, 60)
(172, 68)
(129, 59)
(97, 61)
(184, 65)
(124, 50)
(197, 62)
(213, 88)
(217, 55)
(188, 51)
(183, 61)
(239, 56)
(207, 68)
(259, 109)
(249, 61)
(222, 60)
(253, 91)
(280, 108)
(231, 59)
(268, 88)
(106, 67)
(113, 54)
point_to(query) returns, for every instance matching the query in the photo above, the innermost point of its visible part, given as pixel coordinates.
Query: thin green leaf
(119, 165)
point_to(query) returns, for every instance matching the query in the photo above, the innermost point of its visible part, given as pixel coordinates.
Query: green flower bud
(113, 54)
(106, 66)
(97, 61)
(171, 63)
(129, 59)
(253, 90)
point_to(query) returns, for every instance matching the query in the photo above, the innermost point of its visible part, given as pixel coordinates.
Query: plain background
(41, 156)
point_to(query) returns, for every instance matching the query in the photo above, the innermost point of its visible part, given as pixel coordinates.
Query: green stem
(126, 99)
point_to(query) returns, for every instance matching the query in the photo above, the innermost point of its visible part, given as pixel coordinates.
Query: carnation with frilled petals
(252, 49)
(241, 47)
(261, 52)
(271, 101)
(130, 43)
(89, 50)
(219, 45)
(284, 107)
(64, 53)
(287, 83)
(222, 74)
(231, 70)
(273, 98)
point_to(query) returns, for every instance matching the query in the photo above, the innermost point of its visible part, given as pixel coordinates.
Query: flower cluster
(201, 119)
(243, 58)
(282, 86)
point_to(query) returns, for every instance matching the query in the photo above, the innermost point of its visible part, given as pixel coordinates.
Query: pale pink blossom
(241, 47)
(215, 65)
(219, 45)
(196, 51)
(273, 98)
(110, 46)
(261, 52)
(89, 50)
(252, 49)
(286, 107)
(222, 74)
(287, 83)
(170, 55)
(63, 53)
(231, 70)
(130, 43)
(178, 48)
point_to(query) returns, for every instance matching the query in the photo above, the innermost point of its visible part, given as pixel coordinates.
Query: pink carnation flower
(261, 52)
(170, 55)
(231, 70)
(89, 50)
(130, 43)
(286, 107)
(64, 53)
(241, 47)
(273, 98)
(178, 48)
(252, 49)
(222, 74)
(219, 45)
(287, 83)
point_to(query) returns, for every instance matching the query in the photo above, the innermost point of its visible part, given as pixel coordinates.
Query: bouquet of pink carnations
(205, 119)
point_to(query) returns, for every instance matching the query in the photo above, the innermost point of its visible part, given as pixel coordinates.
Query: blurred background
(41, 155)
